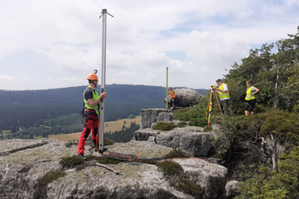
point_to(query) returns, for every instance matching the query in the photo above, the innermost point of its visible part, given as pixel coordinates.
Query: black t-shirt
(88, 94)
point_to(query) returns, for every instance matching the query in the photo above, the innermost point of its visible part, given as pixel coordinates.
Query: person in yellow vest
(91, 113)
(172, 96)
(223, 95)
(250, 98)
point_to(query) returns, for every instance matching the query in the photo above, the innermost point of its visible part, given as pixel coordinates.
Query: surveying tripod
(210, 103)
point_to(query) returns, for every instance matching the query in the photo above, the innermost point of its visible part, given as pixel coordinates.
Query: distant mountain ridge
(25, 108)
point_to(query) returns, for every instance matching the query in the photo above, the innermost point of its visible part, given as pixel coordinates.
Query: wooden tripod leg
(218, 102)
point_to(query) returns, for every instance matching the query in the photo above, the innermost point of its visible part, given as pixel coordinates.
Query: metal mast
(103, 80)
(166, 87)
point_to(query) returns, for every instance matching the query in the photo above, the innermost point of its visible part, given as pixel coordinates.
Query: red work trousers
(91, 123)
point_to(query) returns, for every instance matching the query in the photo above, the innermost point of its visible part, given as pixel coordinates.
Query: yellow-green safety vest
(223, 95)
(248, 94)
(95, 97)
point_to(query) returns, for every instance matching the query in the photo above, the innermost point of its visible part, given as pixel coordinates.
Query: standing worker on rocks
(250, 98)
(172, 96)
(223, 95)
(91, 113)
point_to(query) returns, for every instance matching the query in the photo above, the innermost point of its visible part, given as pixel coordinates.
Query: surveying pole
(166, 87)
(103, 80)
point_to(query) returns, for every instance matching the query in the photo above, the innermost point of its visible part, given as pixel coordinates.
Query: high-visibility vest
(248, 94)
(95, 97)
(172, 94)
(223, 95)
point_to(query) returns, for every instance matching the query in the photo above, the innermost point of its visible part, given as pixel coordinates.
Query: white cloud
(15, 82)
(210, 35)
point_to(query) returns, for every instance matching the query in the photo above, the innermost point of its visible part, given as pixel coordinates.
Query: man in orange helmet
(91, 113)
(172, 96)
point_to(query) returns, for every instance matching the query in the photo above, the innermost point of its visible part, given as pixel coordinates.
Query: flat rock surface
(21, 167)
(147, 150)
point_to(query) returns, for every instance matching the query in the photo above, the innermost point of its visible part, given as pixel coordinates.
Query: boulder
(189, 139)
(209, 176)
(185, 97)
(164, 117)
(231, 189)
(149, 116)
(144, 134)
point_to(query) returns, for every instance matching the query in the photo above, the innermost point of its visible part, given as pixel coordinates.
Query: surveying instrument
(210, 103)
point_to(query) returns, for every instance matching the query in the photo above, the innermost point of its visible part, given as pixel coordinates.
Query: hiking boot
(82, 156)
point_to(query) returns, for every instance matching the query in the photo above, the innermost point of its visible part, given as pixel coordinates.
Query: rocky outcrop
(23, 162)
(190, 139)
(231, 189)
(186, 97)
(149, 116)
(209, 176)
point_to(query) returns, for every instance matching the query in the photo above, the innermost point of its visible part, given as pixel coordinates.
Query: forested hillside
(32, 108)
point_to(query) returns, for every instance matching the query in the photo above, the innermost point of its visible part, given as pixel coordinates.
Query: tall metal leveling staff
(103, 79)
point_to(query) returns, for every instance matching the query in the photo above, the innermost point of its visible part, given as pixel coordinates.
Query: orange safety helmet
(92, 77)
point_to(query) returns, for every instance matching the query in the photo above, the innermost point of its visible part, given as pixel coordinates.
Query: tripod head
(213, 87)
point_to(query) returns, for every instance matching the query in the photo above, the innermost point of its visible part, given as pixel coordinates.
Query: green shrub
(196, 115)
(164, 126)
(260, 108)
(177, 153)
(50, 177)
(71, 162)
(182, 124)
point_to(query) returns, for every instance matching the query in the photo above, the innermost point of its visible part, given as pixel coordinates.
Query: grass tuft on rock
(149, 161)
(175, 175)
(164, 126)
(50, 177)
(80, 167)
(188, 186)
(68, 144)
(170, 168)
(71, 162)
(207, 129)
(182, 124)
(104, 160)
(108, 141)
(177, 153)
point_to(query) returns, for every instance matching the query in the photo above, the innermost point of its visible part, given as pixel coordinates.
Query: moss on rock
(71, 162)
(164, 126)
(177, 153)
(50, 177)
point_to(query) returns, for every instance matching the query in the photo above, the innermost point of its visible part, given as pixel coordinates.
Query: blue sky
(54, 44)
